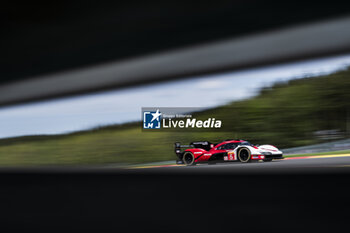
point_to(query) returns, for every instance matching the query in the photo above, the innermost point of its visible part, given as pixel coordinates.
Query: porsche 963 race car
(226, 151)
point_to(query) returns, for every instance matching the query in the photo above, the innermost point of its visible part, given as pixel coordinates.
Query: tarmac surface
(308, 164)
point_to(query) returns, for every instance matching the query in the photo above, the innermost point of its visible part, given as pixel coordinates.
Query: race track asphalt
(317, 164)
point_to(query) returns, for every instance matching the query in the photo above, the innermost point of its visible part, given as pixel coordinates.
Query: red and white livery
(226, 151)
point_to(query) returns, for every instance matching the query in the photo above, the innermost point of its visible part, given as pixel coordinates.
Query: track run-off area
(312, 162)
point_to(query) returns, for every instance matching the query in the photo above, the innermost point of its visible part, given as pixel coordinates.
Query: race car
(226, 151)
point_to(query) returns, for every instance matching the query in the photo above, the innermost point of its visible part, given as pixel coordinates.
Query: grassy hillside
(285, 115)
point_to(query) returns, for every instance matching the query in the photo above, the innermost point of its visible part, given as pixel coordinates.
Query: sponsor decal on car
(231, 155)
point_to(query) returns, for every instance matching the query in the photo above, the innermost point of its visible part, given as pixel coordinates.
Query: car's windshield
(246, 143)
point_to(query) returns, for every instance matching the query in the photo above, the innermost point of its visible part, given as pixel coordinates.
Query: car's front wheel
(188, 159)
(244, 155)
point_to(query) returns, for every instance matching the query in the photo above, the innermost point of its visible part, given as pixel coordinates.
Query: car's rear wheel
(244, 155)
(188, 159)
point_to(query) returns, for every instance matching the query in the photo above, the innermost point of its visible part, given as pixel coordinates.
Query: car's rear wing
(178, 147)
(201, 144)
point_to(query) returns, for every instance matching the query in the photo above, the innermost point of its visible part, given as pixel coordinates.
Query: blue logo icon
(151, 120)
